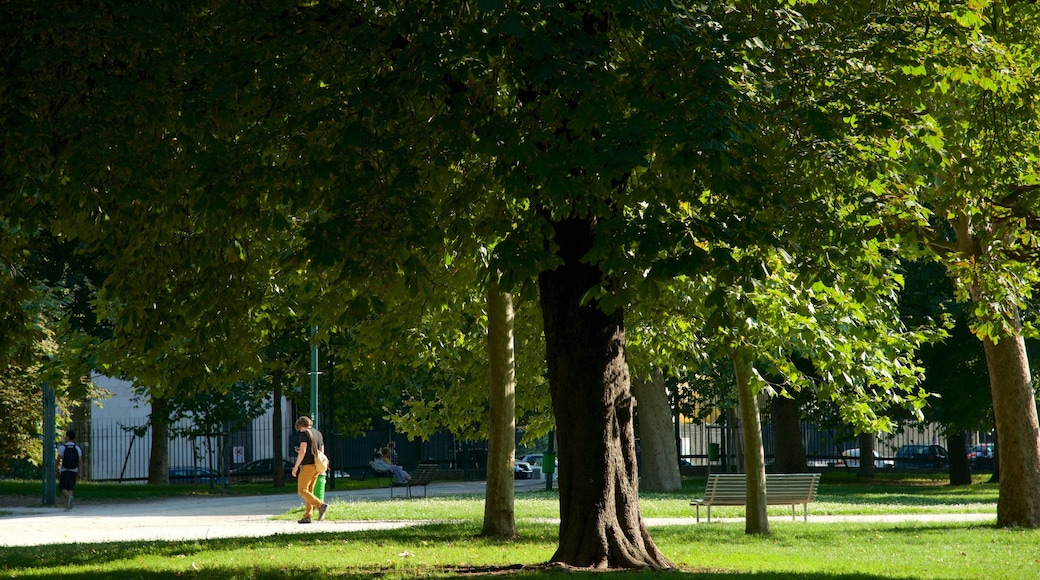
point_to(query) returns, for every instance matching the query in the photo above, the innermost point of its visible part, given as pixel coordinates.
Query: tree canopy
(240, 170)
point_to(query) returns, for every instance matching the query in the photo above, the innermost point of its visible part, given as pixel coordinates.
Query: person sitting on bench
(382, 463)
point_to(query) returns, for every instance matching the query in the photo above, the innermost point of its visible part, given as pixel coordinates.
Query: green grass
(839, 495)
(451, 546)
(102, 492)
(823, 551)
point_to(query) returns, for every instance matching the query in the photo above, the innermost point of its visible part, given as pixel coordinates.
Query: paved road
(225, 517)
(197, 517)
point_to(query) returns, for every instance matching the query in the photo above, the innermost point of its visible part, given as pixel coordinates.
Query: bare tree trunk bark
(600, 522)
(499, 517)
(756, 518)
(1019, 434)
(960, 471)
(158, 458)
(790, 450)
(867, 467)
(659, 466)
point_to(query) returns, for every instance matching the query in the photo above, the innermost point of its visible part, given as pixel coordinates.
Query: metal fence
(823, 447)
(118, 451)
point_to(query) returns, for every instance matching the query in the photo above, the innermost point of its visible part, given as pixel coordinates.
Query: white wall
(116, 454)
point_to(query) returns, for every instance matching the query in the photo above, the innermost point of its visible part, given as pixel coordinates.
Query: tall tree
(785, 416)
(587, 372)
(499, 517)
(969, 162)
(658, 456)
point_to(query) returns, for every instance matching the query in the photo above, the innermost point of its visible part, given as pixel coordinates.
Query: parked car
(535, 460)
(260, 469)
(522, 470)
(196, 475)
(922, 457)
(981, 457)
(850, 458)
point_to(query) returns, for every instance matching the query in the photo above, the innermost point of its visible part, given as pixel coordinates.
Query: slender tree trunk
(960, 471)
(866, 456)
(600, 522)
(1019, 434)
(158, 459)
(659, 467)
(756, 519)
(790, 450)
(277, 440)
(499, 518)
(1014, 405)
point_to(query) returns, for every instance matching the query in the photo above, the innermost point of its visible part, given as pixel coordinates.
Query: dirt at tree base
(510, 569)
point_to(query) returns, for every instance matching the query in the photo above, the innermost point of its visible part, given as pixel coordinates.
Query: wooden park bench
(423, 476)
(781, 489)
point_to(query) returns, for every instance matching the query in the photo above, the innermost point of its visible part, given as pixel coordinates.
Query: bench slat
(781, 489)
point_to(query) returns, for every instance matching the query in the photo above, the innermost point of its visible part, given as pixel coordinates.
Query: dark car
(195, 475)
(259, 470)
(981, 457)
(922, 457)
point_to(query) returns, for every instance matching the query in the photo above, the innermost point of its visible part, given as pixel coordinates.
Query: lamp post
(314, 377)
(319, 486)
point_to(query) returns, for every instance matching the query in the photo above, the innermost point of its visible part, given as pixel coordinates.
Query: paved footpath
(250, 516)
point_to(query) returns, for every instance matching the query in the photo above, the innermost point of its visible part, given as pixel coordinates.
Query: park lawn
(839, 495)
(825, 551)
(449, 546)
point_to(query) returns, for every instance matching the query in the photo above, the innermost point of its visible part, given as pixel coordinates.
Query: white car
(535, 460)
(850, 458)
(522, 470)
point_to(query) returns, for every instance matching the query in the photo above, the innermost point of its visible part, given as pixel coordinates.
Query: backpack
(70, 457)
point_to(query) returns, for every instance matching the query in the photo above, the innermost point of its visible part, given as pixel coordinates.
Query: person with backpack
(68, 457)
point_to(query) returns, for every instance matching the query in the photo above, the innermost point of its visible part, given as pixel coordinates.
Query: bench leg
(709, 513)
(698, 513)
(805, 512)
(792, 512)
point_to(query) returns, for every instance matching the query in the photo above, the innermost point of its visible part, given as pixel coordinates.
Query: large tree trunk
(659, 459)
(158, 458)
(1018, 432)
(789, 456)
(867, 467)
(960, 471)
(600, 522)
(499, 518)
(756, 518)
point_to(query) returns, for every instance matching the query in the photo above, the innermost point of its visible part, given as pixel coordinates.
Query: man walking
(68, 457)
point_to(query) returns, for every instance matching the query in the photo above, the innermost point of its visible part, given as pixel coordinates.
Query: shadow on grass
(504, 574)
(314, 555)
